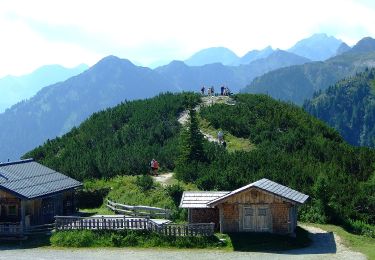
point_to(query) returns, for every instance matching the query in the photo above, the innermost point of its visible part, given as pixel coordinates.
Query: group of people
(224, 91)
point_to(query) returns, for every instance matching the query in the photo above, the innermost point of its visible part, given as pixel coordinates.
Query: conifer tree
(191, 149)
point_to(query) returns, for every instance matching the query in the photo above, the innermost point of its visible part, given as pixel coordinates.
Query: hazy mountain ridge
(190, 78)
(57, 108)
(298, 83)
(212, 55)
(16, 88)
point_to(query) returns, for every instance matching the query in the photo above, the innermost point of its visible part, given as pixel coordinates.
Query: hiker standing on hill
(202, 90)
(154, 167)
(222, 90)
(220, 136)
(212, 91)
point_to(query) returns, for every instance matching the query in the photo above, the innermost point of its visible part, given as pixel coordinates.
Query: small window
(262, 212)
(249, 212)
(12, 210)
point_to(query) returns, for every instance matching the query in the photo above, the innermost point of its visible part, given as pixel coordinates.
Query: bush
(361, 228)
(92, 198)
(84, 238)
(175, 192)
(145, 182)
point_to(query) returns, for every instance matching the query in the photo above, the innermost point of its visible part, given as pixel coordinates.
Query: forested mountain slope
(291, 147)
(349, 107)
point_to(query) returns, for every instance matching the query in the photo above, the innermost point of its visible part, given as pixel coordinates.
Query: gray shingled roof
(268, 186)
(29, 179)
(199, 199)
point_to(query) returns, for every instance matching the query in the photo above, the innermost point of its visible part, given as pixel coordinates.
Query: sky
(40, 32)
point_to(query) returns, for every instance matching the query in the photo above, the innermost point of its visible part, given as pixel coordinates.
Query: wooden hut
(32, 194)
(261, 206)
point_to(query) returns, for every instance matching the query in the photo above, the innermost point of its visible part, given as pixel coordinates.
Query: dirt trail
(164, 178)
(207, 101)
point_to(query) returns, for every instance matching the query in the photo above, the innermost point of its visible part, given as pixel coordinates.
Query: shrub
(144, 182)
(361, 228)
(175, 192)
(84, 238)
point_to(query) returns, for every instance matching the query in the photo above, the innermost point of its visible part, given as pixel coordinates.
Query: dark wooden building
(261, 206)
(32, 194)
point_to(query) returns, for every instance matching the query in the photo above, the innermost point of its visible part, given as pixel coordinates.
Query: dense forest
(291, 147)
(120, 140)
(349, 107)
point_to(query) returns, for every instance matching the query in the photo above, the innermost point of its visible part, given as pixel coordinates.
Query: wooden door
(262, 219)
(256, 218)
(249, 218)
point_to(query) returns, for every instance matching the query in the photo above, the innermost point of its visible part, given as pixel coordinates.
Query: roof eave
(20, 196)
(221, 199)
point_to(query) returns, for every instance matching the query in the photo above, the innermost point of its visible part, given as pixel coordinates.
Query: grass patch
(130, 238)
(363, 244)
(233, 143)
(266, 242)
(128, 190)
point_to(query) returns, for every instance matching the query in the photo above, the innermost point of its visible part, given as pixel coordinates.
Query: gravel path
(325, 245)
(164, 178)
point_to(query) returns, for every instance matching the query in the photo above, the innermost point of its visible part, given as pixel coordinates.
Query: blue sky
(39, 32)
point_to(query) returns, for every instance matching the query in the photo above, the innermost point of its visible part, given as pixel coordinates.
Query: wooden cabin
(261, 206)
(32, 194)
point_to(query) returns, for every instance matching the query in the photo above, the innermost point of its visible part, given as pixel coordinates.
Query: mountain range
(298, 83)
(317, 47)
(57, 108)
(190, 78)
(16, 88)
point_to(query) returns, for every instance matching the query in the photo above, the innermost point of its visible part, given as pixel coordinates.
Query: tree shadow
(32, 241)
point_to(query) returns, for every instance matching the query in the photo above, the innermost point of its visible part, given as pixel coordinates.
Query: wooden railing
(138, 210)
(129, 223)
(10, 229)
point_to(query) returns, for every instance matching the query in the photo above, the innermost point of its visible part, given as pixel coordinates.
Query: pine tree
(191, 149)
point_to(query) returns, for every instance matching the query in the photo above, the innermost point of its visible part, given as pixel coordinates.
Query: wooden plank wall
(230, 211)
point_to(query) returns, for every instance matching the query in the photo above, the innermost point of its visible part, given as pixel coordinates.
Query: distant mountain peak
(212, 55)
(317, 47)
(342, 48)
(366, 44)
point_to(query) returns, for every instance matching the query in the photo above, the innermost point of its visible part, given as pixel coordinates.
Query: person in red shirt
(154, 167)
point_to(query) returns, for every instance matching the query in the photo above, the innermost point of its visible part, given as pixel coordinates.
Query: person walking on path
(154, 167)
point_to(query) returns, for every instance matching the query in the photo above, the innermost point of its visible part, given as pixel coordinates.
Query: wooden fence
(138, 210)
(129, 223)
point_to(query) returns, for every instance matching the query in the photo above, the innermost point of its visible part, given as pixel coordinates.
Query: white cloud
(69, 32)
